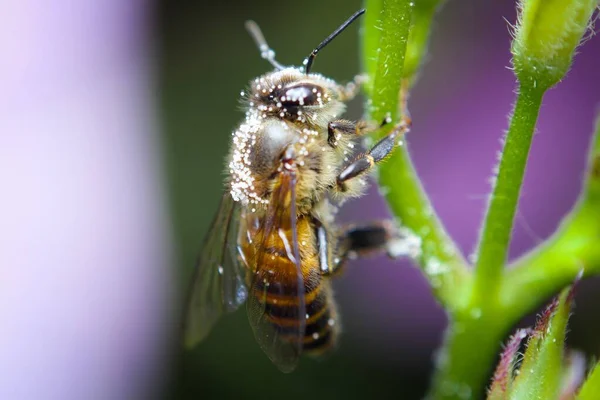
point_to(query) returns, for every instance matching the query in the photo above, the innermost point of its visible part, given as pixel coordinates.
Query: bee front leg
(341, 127)
(365, 162)
(337, 128)
(349, 91)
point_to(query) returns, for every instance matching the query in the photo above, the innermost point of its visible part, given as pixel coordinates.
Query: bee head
(291, 95)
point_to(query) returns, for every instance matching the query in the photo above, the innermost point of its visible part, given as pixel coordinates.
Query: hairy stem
(466, 358)
(573, 248)
(475, 332)
(537, 276)
(440, 260)
(497, 228)
(419, 36)
(482, 306)
(384, 47)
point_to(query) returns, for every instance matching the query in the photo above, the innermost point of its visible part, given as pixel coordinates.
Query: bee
(274, 243)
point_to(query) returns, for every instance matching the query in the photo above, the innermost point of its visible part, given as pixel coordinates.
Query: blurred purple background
(87, 266)
(85, 277)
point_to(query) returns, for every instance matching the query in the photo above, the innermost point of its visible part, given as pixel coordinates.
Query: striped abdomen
(277, 290)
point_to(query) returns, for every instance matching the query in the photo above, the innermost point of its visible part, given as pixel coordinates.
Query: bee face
(292, 95)
(283, 107)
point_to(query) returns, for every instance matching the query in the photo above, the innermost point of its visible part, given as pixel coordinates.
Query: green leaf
(542, 368)
(591, 387)
(503, 376)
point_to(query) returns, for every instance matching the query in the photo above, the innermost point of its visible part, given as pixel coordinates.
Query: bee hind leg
(360, 240)
(375, 238)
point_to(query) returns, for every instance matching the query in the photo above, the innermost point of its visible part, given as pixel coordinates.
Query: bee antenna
(309, 60)
(265, 51)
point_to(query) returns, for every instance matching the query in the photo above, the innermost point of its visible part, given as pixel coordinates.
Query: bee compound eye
(302, 95)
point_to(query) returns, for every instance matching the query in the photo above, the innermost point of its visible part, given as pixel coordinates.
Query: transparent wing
(219, 282)
(276, 306)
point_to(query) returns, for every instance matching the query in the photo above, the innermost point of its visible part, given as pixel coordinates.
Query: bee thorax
(258, 145)
(242, 180)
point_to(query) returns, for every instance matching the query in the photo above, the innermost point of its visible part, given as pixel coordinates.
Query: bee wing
(277, 285)
(218, 285)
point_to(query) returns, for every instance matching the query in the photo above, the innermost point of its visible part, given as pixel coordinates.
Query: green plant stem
(478, 327)
(386, 44)
(465, 360)
(483, 306)
(538, 275)
(440, 260)
(419, 36)
(497, 228)
(573, 248)
(370, 38)
(474, 335)
(385, 41)
(475, 331)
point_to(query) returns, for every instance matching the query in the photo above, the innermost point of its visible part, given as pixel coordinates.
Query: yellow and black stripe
(320, 318)
(280, 295)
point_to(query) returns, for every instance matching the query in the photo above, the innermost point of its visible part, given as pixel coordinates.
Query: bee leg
(339, 127)
(325, 252)
(352, 88)
(375, 237)
(365, 162)
(361, 240)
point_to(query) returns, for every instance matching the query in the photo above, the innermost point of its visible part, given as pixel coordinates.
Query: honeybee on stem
(274, 243)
